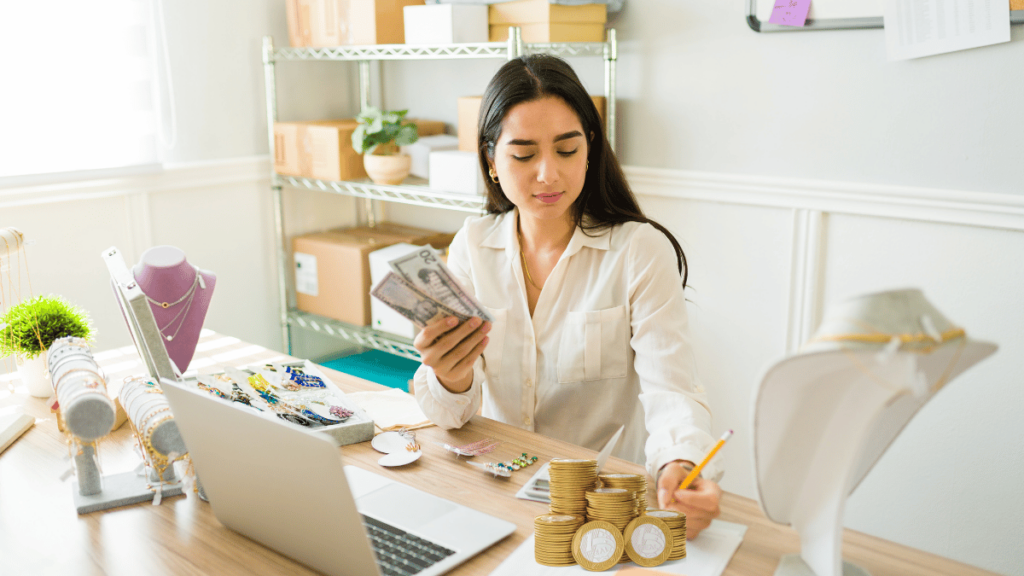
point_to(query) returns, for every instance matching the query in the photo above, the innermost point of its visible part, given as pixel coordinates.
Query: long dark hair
(606, 198)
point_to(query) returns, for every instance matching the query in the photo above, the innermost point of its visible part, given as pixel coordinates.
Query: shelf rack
(414, 190)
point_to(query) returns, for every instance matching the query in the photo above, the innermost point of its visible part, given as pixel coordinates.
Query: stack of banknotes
(421, 288)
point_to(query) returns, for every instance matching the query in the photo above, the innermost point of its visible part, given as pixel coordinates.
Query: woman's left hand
(699, 502)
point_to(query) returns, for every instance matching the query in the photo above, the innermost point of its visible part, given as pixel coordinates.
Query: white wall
(761, 152)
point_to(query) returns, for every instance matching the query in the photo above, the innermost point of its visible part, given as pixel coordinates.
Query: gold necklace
(522, 256)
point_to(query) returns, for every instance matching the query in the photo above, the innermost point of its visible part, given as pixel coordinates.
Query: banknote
(405, 299)
(425, 270)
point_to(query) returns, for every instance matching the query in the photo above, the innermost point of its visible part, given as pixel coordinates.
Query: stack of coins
(553, 535)
(617, 506)
(676, 522)
(635, 483)
(570, 480)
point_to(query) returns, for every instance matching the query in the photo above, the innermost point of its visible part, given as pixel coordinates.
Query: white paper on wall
(916, 28)
(305, 274)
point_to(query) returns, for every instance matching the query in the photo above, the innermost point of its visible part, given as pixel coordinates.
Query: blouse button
(529, 383)
(526, 421)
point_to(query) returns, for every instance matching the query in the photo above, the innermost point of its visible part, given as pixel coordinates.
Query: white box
(446, 24)
(381, 316)
(456, 171)
(420, 151)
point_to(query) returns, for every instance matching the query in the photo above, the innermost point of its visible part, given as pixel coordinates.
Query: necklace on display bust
(182, 314)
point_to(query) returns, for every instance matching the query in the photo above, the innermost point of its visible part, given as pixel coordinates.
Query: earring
(493, 175)
(588, 166)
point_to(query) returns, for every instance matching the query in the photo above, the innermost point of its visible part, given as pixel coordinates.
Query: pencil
(693, 473)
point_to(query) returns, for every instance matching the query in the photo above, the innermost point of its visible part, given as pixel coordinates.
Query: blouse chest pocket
(494, 351)
(593, 345)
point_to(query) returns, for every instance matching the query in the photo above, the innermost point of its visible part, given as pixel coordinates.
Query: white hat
(824, 416)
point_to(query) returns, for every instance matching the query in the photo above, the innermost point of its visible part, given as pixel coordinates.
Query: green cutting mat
(376, 366)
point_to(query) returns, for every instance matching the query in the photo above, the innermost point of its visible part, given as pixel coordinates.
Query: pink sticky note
(790, 12)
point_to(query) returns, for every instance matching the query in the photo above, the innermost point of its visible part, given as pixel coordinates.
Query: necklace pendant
(165, 305)
(169, 338)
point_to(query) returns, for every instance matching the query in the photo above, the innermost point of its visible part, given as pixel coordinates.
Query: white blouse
(609, 328)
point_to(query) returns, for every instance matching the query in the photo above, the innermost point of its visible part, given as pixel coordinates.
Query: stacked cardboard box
(541, 21)
(332, 268)
(326, 23)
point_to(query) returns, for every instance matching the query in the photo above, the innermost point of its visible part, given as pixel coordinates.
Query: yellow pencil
(693, 473)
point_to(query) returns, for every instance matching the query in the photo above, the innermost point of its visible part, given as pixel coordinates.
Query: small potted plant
(378, 137)
(28, 329)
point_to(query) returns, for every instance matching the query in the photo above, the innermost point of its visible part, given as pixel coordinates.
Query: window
(77, 86)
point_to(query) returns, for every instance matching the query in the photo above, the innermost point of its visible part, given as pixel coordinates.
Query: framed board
(836, 15)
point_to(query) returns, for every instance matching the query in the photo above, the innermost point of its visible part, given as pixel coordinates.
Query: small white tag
(305, 274)
(67, 474)
(158, 496)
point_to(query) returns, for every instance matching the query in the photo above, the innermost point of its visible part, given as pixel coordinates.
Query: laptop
(287, 487)
(289, 490)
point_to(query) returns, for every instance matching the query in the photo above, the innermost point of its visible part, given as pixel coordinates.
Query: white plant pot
(34, 375)
(387, 169)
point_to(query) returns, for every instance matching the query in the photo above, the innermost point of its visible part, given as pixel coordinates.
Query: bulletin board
(838, 15)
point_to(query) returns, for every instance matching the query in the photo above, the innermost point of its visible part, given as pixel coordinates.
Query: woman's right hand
(451, 349)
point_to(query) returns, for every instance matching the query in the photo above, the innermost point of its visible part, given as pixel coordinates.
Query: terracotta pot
(387, 169)
(34, 375)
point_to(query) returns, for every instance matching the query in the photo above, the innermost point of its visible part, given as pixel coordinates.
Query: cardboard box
(456, 171)
(542, 21)
(420, 151)
(317, 149)
(426, 127)
(300, 33)
(382, 317)
(445, 24)
(342, 22)
(391, 233)
(332, 275)
(332, 269)
(469, 117)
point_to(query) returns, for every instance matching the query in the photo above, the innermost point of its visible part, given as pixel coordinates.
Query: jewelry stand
(88, 415)
(825, 415)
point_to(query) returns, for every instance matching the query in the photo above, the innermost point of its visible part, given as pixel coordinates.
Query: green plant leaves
(33, 325)
(378, 127)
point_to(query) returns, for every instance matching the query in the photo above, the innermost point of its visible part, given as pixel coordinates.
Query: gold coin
(648, 540)
(597, 546)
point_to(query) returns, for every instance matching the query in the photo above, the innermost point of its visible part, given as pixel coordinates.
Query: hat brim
(800, 396)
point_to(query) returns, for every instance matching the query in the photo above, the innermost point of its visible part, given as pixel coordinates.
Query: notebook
(288, 489)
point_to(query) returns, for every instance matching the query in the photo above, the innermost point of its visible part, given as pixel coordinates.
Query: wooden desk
(40, 533)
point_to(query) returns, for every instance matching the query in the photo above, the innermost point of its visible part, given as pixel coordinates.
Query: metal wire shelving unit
(413, 191)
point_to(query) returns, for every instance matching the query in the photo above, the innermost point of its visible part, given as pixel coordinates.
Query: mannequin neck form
(164, 274)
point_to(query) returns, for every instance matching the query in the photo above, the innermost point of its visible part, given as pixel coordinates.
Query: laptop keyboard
(400, 553)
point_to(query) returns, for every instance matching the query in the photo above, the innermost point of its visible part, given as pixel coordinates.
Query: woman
(585, 292)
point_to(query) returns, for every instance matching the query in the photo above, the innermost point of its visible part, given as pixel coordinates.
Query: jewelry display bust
(179, 295)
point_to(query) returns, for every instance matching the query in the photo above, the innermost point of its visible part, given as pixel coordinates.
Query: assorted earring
(474, 449)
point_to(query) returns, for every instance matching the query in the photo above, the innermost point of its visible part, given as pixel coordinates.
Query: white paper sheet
(916, 28)
(707, 555)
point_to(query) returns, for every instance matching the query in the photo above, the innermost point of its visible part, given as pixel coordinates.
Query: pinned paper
(790, 12)
(916, 29)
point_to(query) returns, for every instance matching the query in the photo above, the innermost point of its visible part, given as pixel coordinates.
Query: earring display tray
(354, 429)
